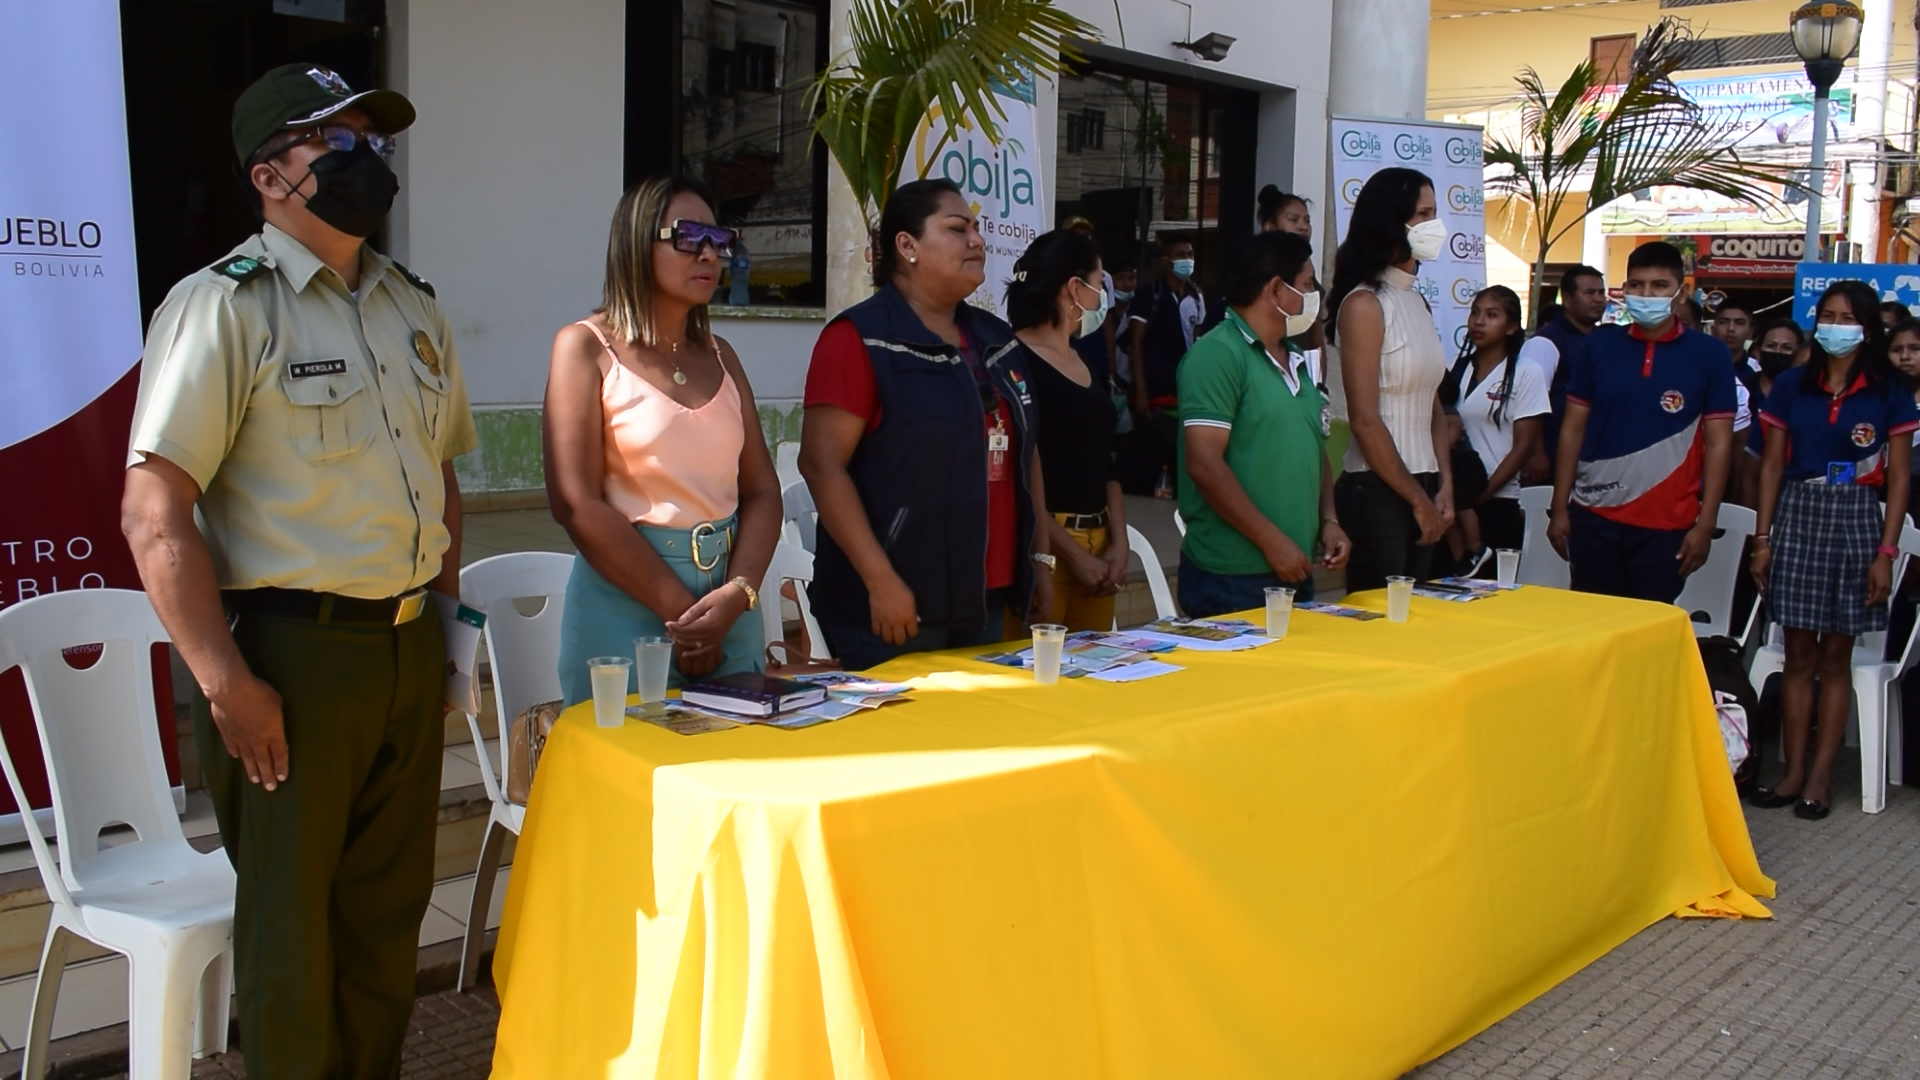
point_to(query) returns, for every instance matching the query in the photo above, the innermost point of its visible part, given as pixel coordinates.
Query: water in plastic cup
(609, 674)
(1048, 640)
(1279, 610)
(1399, 598)
(653, 656)
(1508, 561)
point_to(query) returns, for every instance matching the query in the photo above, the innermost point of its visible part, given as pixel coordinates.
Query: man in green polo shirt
(1257, 496)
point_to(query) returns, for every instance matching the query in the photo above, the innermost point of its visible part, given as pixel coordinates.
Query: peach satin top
(667, 464)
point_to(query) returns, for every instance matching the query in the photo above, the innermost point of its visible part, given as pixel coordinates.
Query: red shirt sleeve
(841, 374)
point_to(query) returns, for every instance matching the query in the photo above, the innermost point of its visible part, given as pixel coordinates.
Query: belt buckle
(705, 528)
(409, 607)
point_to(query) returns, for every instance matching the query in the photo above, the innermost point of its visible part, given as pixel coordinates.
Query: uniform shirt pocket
(331, 415)
(433, 396)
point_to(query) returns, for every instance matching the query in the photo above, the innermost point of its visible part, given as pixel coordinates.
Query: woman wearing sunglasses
(918, 448)
(656, 464)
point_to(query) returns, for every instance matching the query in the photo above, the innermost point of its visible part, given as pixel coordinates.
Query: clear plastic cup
(1399, 598)
(652, 657)
(1507, 561)
(1048, 640)
(609, 675)
(1279, 611)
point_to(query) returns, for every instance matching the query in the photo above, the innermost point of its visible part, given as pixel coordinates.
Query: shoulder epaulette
(415, 280)
(240, 268)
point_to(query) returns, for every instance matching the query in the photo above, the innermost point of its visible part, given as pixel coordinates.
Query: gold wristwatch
(753, 594)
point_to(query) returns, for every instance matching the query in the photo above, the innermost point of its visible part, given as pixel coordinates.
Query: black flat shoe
(1768, 799)
(1811, 811)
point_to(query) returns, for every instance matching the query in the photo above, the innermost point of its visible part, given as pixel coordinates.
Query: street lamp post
(1824, 34)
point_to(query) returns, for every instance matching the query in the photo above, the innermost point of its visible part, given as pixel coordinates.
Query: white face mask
(1309, 311)
(1427, 239)
(1091, 319)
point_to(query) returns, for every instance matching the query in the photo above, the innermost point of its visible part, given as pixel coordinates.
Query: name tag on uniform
(312, 368)
(1839, 472)
(999, 442)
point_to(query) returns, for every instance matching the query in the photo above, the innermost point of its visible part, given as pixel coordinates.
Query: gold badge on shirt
(423, 345)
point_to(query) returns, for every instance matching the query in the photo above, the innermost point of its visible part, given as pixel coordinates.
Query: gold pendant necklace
(679, 377)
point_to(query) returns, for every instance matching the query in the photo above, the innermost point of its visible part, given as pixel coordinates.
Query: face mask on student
(1183, 268)
(1839, 339)
(1775, 361)
(1309, 310)
(1121, 296)
(1650, 311)
(1427, 239)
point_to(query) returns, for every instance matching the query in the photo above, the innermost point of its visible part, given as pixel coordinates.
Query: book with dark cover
(749, 693)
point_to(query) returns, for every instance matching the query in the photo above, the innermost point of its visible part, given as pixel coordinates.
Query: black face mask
(1773, 362)
(352, 189)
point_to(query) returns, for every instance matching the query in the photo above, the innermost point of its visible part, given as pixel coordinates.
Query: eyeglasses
(342, 139)
(691, 236)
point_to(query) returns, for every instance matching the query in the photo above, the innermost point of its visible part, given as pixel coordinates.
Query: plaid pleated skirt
(1825, 538)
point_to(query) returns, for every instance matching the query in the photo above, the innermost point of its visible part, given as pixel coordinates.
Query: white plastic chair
(790, 563)
(1876, 691)
(523, 652)
(1156, 574)
(802, 524)
(155, 900)
(786, 462)
(1707, 597)
(1539, 563)
(1180, 523)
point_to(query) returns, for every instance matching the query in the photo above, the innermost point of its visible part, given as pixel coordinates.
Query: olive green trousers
(335, 865)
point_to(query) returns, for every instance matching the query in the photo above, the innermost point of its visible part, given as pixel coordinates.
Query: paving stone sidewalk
(1829, 988)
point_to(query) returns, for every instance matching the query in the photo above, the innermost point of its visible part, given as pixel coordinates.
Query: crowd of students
(969, 470)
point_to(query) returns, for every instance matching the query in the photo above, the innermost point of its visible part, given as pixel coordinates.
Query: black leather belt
(328, 608)
(1084, 521)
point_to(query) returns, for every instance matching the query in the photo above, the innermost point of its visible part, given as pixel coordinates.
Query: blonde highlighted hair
(627, 297)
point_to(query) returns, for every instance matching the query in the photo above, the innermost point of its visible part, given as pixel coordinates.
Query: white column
(849, 278)
(1593, 242)
(1379, 61)
(1869, 118)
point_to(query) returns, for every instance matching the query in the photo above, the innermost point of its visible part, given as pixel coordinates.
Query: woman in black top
(1055, 295)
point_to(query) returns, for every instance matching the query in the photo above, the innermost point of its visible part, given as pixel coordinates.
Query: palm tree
(909, 55)
(1646, 132)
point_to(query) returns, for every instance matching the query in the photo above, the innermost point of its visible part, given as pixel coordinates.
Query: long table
(1338, 855)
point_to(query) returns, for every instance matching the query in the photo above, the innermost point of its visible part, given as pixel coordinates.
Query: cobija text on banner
(69, 324)
(1000, 181)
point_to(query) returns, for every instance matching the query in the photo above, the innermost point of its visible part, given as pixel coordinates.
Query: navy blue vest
(922, 473)
(1567, 338)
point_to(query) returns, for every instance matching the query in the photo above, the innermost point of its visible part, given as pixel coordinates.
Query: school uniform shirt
(1171, 320)
(1649, 401)
(1492, 440)
(1838, 439)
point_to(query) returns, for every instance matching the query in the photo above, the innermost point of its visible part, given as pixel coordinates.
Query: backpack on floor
(1736, 704)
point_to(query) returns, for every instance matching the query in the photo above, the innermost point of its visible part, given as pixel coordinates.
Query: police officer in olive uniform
(302, 395)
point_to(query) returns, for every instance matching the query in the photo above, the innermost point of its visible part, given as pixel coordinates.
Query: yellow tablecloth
(1335, 856)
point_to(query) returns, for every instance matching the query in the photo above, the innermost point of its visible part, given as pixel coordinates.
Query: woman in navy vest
(918, 449)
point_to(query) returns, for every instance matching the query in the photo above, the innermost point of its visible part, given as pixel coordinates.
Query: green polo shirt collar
(1289, 370)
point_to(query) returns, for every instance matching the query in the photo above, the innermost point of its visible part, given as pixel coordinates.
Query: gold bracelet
(753, 595)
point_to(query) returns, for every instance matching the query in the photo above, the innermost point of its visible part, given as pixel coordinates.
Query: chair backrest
(792, 563)
(1156, 574)
(1539, 563)
(522, 650)
(802, 523)
(1179, 522)
(786, 462)
(99, 735)
(1909, 550)
(1707, 597)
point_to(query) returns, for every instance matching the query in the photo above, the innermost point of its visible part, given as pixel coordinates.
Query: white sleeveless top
(1412, 363)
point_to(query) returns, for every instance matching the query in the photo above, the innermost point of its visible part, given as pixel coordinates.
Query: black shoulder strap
(241, 268)
(416, 280)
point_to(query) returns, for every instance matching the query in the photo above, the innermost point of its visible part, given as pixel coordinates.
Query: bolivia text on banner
(1331, 858)
(1002, 182)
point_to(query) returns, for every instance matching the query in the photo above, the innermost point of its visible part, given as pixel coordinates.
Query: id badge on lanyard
(998, 445)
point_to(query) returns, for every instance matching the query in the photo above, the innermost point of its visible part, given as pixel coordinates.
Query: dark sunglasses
(690, 236)
(339, 138)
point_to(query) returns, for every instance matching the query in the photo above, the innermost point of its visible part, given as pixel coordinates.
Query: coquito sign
(69, 324)
(1001, 181)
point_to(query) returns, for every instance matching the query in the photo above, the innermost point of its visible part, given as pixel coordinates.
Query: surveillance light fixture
(1212, 48)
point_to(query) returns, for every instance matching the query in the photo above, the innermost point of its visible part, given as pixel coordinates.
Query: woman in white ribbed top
(1395, 498)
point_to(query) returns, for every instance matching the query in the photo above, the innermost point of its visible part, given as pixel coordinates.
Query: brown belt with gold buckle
(327, 608)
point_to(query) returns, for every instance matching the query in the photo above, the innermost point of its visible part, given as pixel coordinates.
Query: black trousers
(1385, 534)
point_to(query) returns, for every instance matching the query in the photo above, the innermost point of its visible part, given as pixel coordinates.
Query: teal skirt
(600, 619)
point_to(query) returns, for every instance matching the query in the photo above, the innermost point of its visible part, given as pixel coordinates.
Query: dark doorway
(185, 62)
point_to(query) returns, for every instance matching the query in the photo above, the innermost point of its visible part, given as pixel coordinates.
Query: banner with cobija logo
(1451, 155)
(1001, 181)
(69, 331)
